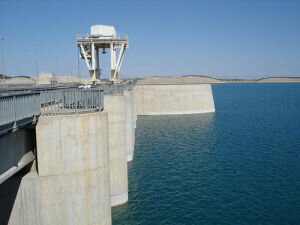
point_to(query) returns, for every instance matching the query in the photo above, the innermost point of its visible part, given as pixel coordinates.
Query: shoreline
(186, 79)
(211, 80)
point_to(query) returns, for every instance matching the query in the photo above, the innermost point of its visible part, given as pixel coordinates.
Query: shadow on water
(8, 194)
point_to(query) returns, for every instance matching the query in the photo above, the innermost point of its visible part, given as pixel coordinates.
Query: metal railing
(129, 86)
(23, 106)
(71, 101)
(19, 109)
(115, 89)
(14, 108)
(16, 90)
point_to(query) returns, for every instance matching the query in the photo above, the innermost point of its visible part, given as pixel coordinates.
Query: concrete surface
(130, 124)
(115, 105)
(46, 78)
(173, 99)
(73, 199)
(71, 143)
(71, 185)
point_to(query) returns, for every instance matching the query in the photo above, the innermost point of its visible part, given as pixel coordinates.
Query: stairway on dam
(80, 170)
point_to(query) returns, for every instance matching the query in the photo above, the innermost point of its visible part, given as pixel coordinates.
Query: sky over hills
(224, 39)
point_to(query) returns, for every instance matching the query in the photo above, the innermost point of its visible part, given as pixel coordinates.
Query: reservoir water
(239, 165)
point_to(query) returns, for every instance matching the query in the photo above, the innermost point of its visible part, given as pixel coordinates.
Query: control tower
(102, 37)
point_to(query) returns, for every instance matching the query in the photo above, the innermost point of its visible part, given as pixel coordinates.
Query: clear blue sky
(225, 38)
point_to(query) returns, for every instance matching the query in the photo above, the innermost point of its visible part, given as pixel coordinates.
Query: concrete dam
(80, 167)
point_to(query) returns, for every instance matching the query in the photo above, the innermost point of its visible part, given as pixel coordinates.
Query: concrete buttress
(130, 124)
(70, 185)
(115, 105)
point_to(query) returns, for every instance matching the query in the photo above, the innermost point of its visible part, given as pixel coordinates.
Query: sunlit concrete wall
(173, 99)
(115, 106)
(130, 124)
(70, 184)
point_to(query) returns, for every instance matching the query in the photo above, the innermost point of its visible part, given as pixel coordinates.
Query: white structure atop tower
(103, 31)
(102, 37)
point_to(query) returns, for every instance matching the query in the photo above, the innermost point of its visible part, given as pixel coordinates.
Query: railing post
(15, 112)
(75, 100)
(99, 99)
(102, 100)
(86, 99)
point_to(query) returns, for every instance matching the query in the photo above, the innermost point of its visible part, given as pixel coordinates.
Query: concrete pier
(70, 184)
(115, 106)
(130, 124)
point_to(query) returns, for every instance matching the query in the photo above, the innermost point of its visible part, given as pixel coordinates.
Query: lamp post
(2, 58)
(36, 62)
(78, 65)
(71, 67)
(57, 63)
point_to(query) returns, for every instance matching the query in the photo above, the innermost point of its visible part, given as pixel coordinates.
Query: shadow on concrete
(8, 194)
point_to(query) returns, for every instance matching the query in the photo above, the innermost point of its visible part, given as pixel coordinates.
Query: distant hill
(192, 79)
(5, 76)
(178, 80)
(9, 77)
(279, 79)
(19, 80)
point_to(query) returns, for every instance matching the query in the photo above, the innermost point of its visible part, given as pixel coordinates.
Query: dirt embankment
(179, 80)
(279, 79)
(205, 79)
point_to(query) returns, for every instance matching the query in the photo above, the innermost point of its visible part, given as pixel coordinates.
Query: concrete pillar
(113, 60)
(94, 77)
(134, 119)
(134, 109)
(130, 124)
(115, 106)
(97, 64)
(71, 184)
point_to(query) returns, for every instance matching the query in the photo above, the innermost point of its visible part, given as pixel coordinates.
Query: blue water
(239, 165)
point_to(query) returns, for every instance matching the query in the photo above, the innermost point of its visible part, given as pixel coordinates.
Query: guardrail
(15, 108)
(113, 89)
(71, 101)
(117, 88)
(20, 109)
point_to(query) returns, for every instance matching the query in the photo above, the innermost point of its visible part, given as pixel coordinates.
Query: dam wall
(173, 99)
(70, 183)
(80, 170)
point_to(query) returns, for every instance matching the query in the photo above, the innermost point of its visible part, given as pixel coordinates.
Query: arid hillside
(204, 79)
